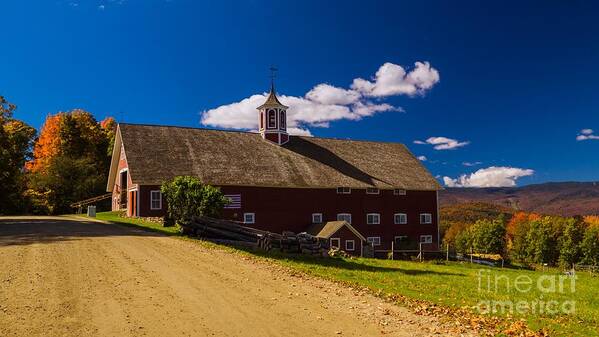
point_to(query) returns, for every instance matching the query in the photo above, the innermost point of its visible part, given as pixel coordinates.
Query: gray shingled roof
(158, 153)
(326, 230)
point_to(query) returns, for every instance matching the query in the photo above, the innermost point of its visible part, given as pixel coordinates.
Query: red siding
(280, 209)
(117, 187)
(345, 234)
(273, 137)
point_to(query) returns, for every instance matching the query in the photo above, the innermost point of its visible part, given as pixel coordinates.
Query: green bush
(187, 197)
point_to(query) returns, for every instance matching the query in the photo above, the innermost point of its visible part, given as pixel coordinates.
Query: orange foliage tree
(70, 160)
(47, 145)
(517, 220)
(592, 220)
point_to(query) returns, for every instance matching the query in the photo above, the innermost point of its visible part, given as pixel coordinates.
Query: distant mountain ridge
(565, 199)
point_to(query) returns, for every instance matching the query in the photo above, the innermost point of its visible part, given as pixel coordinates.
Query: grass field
(148, 225)
(455, 285)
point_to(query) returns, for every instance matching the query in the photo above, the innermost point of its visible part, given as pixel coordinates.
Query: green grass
(456, 285)
(135, 222)
(449, 284)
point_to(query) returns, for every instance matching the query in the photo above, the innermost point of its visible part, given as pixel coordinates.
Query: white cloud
(470, 164)
(489, 177)
(299, 132)
(392, 79)
(323, 104)
(442, 143)
(586, 131)
(586, 134)
(422, 158)
(328, 94)
(101, 7)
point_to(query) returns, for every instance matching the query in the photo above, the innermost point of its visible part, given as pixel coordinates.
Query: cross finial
(273, 74)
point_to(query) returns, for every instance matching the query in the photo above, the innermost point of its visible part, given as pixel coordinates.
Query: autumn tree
(71, 160)
(16, 138)
(590, 246)
(542, 239)
(485, 236)
(569, 243)
(516, 234)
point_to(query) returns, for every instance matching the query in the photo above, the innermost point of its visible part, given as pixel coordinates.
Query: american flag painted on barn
(235, 201)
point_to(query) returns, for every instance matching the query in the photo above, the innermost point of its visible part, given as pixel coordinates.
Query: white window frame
(316, 215)
(152, 200)
(245, 220)
(282, 120)
(338, 240)
(372, 190)
(343, 190)
(268, 119)
(405, 217)
(374, 240)
(399, 191)
(353, 245)
(423, 217)
(378, 219)
(427, 239)
(344, 214)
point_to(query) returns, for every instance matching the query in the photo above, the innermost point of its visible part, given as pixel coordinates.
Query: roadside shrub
(187, 197)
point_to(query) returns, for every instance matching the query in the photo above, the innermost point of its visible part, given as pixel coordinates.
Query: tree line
(66, 162)
(531, 238)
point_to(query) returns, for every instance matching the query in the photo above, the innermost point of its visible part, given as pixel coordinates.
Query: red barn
(280, 182)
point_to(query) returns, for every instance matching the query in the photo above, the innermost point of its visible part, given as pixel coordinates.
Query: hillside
(565, 199)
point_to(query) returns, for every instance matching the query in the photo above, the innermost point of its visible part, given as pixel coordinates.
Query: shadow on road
(24, 231)
(345, 264)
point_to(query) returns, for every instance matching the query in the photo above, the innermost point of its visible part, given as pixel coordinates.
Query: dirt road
(61, 277)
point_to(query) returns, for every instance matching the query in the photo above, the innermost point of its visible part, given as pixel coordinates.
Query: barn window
(344, 217)
(398, 191)
(426, 218)
(316, 217)
(272, 119)
(372, 190)
(373, 218)
(350, 245)
(335, 242)
(401, 240)
(249, 218)
(426, 239)
(343, 190)
(374, 240)
(400, 218)
(155, 200)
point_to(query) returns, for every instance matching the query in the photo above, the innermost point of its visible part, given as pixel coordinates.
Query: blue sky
(510, 87)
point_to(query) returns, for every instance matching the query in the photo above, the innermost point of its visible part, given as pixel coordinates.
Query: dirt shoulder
(65, 277)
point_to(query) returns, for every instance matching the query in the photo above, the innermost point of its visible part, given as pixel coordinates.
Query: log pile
(232, 233)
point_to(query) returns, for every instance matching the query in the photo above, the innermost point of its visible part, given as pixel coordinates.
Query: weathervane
(273, 74)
